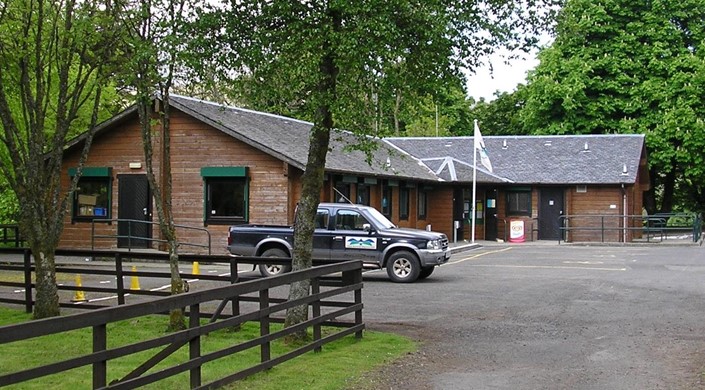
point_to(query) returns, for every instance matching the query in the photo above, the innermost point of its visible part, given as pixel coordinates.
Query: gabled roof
(288, 140)
(451, 169)
(565, 159)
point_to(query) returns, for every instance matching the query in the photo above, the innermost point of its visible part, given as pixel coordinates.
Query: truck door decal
(360, 243)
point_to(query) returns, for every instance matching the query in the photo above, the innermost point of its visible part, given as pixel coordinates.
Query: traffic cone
(135, 282)
(79, 296)
(195, 270)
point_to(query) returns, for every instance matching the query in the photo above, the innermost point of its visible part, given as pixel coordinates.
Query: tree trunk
(176, 317)
(312, 182)
(47, 298)
(669, 184)
(650, 195)
(162, 191)
(397, 108)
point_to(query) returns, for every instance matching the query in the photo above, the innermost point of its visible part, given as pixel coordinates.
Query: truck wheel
(426, 272)
(274, 269)
(403, 267)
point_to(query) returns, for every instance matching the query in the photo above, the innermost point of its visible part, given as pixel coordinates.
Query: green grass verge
(338, 366)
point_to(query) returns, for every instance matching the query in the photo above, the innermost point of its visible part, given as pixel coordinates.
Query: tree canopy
(54, 61)
(342, 62)
(619, 66)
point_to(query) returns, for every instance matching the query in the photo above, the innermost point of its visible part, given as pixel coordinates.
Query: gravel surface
(547, 317)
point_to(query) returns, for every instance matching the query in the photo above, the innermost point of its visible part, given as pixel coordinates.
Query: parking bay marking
(531, 266)
(548, 267)
(478, 255)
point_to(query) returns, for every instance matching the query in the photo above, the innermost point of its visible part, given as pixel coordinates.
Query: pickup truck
(347, 232)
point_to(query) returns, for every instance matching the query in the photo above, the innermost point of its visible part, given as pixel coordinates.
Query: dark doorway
(550, 209)
(458, 214)
(134, 210)
(491, 214)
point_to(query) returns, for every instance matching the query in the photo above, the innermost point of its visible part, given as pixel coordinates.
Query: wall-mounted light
(135, 165)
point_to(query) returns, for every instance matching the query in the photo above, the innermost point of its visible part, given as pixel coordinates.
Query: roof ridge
(267, 114)
(464, 137)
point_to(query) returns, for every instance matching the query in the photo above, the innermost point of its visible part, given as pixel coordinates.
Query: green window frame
(92, 198)
(225, 195)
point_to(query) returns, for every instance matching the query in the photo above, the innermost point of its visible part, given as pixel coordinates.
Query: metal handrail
(130, 237)
(656, 224)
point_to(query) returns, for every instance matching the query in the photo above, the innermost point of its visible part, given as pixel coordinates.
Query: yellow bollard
(195, 270)
(79, 296)
(135, 282)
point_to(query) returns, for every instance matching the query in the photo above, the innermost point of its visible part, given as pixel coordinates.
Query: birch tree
(153, 44)
(55, 59)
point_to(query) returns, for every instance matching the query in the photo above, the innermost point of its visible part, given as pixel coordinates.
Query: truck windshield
(380, 219)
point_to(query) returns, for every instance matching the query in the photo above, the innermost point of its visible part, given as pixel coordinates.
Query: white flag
(480, 147)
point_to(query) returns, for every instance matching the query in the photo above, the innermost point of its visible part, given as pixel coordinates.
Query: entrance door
(491, 214)
(134, 210)
(550, 209)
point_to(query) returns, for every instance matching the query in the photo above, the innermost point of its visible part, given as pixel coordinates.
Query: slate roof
(288, 140)
(566, 159)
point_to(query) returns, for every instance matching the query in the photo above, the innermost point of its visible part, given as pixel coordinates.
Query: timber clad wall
(597, 201)
(504, 220)
(114, 149)
(440, 210)
(275, 189)
(194, 145)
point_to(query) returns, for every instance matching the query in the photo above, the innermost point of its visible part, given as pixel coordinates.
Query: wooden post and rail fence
(335, 302)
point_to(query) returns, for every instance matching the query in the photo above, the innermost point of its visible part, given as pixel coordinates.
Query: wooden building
(232, 166)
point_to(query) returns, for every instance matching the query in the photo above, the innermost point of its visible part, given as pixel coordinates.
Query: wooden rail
(334, 315)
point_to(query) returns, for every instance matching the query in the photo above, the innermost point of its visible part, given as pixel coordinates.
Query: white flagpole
(474, 185)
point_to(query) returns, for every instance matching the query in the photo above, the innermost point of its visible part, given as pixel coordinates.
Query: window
(342, 192)
(321, 221)
(226, 195)
(421, 200)
(349, 220)
(403, 202)
(519, 202)
(363, 194)
(387, 200)
(92, 197)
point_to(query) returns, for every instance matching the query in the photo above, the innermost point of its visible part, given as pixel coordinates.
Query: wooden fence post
(316, 308)
(100, 343)
(195, 345)
(265, 348)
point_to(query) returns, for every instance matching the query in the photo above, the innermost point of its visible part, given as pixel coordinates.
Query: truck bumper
(434, 257)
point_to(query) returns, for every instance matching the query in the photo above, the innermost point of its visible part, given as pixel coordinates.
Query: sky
(504, 78)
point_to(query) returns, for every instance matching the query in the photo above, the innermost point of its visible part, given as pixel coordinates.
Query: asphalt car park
(549, 316)
(538, 316)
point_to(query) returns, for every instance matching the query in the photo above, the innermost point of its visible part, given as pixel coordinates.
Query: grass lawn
(338, 366)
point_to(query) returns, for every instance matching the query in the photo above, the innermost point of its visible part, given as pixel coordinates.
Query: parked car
(345, 232)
